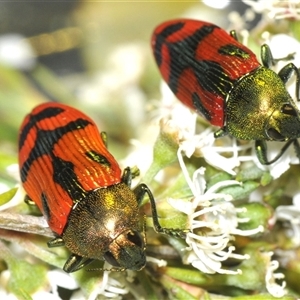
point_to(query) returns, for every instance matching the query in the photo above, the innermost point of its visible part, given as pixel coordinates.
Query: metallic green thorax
(260, 108)
(107, 224)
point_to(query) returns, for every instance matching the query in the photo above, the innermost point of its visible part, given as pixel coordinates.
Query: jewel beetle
(67, 171)
(211, 72)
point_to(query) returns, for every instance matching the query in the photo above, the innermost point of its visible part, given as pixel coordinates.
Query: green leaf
(191, 276)
(240, 191)
(175, 290)
(258, 214)
(164, 153)
(7, 196)
(26, 278)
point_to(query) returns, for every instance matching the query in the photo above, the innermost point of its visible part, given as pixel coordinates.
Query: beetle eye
(110, 259)
(136, 238)
(129, 251)
(275, 135)
(288, 109)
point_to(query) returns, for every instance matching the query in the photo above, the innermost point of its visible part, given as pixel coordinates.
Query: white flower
(273, 287)
(218, 4)
(110, 288)
(60, 278)
(276, 9)
(281, 165)
(291, 214)
(213, 221)
(16, 52)
(159, 262)
(203, 145)
(210, 212)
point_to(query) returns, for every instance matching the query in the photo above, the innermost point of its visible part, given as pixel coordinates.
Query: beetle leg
(221, 132)
(28, 201)
(129, 174)
(103, 136)
(76, 262)
(261, 151)
(56, 242)
(233, 34)
(135, 172)
(266, 56)
(297, 148)
(140, 192)
(286, 72)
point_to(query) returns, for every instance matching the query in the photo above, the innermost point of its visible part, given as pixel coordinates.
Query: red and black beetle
(67, 171)
(212, 73)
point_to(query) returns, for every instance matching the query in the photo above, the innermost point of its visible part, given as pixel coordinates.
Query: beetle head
(107, 225)
(283, 124)
(127, 251)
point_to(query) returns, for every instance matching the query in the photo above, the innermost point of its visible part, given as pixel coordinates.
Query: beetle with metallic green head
(211, 72)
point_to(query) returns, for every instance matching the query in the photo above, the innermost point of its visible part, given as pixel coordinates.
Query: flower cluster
(212, 216)
(276, 9)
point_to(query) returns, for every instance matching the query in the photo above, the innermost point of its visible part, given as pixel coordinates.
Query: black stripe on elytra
(64, 175)
(212, 78)
(161, 38)
(183, 54)
(233, 50)
(97, 157)
(46, 209)
(210, 75)
(199, 106)
(34, 119)
(45, 141)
